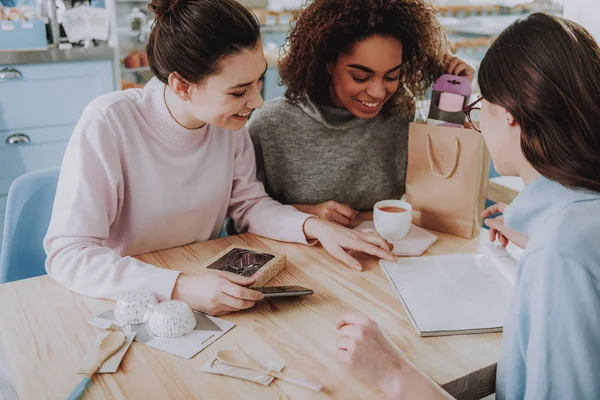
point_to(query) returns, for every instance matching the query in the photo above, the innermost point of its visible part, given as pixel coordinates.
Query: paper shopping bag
(446, 180)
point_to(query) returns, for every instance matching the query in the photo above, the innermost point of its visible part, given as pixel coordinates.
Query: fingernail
(358, 267)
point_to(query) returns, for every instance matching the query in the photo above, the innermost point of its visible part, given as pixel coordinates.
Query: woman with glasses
(497, 228)
(338, 141)
(540, 118)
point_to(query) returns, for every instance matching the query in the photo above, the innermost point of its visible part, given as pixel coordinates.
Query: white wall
(586, 13)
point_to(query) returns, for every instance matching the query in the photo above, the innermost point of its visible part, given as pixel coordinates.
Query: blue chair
(28, 211)
(228, 228)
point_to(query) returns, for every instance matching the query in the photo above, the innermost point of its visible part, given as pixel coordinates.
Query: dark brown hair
(545, 71)
(191, 37)
(327, 28)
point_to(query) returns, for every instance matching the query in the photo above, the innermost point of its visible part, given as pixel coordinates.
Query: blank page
(451, 294)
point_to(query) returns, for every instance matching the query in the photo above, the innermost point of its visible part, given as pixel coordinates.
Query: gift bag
(446, 180)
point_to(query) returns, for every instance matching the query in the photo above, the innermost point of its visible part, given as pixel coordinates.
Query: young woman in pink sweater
(160, 167)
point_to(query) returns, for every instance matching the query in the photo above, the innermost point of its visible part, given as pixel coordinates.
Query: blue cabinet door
(40, 106)
(45, 149)
(51, 93)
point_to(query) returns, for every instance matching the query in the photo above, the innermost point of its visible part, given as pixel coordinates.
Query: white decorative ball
(171, 319)
(132, 307)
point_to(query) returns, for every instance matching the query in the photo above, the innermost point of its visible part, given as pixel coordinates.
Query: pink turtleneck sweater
(133, 181)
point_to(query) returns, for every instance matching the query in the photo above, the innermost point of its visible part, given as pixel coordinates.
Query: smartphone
(283, 291)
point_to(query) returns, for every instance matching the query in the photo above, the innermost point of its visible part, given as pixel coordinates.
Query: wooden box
(249, 262)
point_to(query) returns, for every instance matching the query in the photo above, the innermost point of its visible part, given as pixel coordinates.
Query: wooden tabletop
(44, 334)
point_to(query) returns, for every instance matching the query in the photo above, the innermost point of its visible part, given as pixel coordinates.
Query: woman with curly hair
(337, 142)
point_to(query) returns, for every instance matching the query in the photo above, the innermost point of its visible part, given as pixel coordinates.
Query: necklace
(171, 114)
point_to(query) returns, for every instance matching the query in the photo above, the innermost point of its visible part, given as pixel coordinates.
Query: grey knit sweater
(309, 154)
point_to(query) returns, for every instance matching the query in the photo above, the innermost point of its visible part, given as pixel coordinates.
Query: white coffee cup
(391, 223)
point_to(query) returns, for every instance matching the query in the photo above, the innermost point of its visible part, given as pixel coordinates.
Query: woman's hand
(216, 294)
(336, 240)
(378, 362)
(370, 354)
(331, 211)
(457, 66)
(499, 231)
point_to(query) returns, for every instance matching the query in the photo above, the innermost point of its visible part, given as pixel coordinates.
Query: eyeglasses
(472, 114)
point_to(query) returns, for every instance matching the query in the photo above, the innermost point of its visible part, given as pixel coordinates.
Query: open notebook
(456, 294)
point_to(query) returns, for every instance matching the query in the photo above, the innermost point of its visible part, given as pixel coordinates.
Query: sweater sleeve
(558, 329)
(88, 200)
(251, 208)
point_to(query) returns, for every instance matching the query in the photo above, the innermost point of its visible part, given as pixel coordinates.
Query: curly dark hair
(326, 28)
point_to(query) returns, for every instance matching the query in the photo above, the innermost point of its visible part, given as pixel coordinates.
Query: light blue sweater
(551, 346)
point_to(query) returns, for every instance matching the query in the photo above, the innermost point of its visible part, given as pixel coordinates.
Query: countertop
(56, 55)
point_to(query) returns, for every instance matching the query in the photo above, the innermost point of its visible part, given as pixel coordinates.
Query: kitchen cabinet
(40, 104)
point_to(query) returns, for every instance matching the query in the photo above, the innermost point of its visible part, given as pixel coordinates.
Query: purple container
(454, 86)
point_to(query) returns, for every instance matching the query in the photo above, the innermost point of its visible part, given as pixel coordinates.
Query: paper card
(415, 243)
(187, 346)
(85, 23)
(216, 367)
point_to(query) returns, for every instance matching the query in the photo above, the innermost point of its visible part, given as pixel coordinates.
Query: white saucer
(415, 243)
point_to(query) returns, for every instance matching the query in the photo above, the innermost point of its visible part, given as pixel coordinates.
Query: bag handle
(432, 165)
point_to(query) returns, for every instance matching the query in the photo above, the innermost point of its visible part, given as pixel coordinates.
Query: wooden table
(44, 334)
